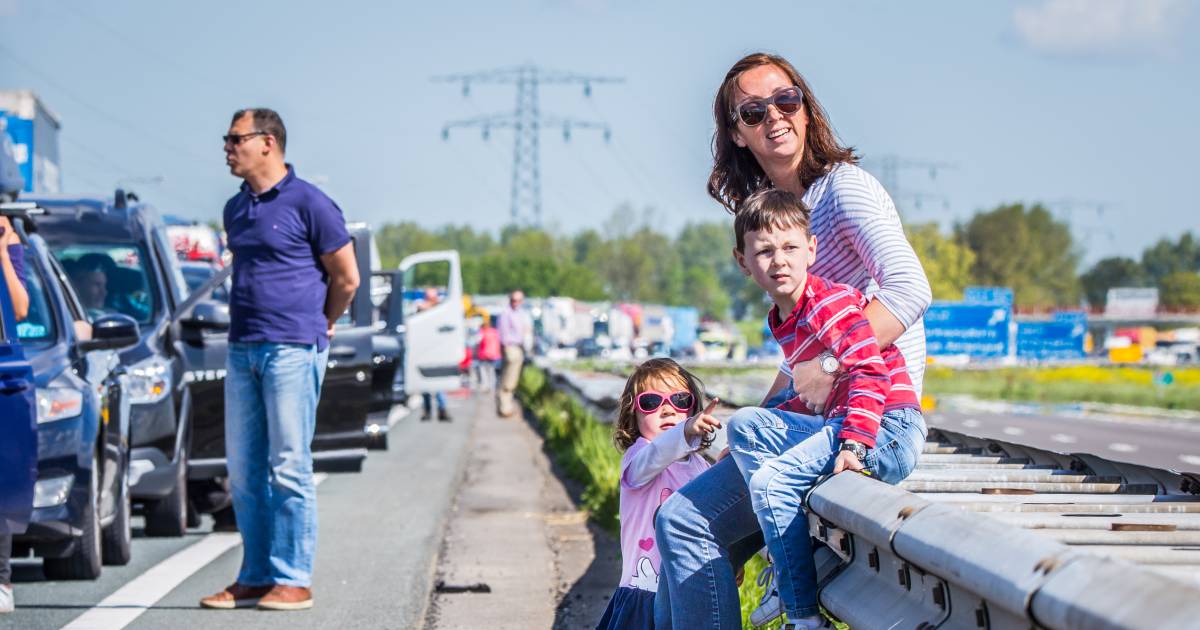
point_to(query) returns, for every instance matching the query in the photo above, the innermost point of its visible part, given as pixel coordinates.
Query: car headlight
(52, 492)
(148, 381)
(57, 403)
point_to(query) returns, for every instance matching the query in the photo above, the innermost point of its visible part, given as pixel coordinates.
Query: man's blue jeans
(271, 394)
(711, 525)
(427, 401)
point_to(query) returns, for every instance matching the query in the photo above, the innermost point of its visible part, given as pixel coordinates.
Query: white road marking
(1122, 447)
(1193, 460)
(1064, 438)
(137, 596)
(971, 423)
(1013, 430)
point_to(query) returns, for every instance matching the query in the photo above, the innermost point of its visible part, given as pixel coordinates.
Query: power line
(891, 164)
(131, 43)
(527, 121)
(111, 118)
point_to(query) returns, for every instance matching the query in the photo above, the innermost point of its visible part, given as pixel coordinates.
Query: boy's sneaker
(808, 623)
(6, 599)
(771, 606)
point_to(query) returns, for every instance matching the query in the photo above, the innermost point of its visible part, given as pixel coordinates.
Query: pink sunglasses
(651, 401)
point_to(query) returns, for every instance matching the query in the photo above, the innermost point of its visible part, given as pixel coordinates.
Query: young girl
(660, 427)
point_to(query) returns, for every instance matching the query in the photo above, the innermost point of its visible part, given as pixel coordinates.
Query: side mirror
(111, 332)
(208, 314)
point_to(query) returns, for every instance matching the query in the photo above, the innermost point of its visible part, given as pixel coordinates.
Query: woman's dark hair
(736, 173)
(625, 429)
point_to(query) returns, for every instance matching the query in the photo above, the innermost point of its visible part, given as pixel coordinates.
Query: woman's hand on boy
(698, 426)
(846, 461)
(811, 384)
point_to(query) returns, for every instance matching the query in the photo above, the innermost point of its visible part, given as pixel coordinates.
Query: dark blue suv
(119, 259)
(81, 502)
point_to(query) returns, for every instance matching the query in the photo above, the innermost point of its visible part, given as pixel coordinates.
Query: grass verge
(583, 447)
(1136, 386)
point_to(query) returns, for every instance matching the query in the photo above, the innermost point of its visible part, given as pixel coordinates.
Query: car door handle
(15, 386)
(448, 328)
(342, 352)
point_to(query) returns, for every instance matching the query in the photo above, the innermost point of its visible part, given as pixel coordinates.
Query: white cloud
(1101, 27)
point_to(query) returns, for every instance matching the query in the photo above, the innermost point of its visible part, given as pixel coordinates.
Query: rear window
(111, 278)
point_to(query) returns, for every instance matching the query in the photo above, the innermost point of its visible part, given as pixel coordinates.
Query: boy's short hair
(771, 208)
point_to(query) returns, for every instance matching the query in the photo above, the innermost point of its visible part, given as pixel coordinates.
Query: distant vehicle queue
(123, 348)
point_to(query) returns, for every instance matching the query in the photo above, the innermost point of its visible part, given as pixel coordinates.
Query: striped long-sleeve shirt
(829, 316)
(860, 242)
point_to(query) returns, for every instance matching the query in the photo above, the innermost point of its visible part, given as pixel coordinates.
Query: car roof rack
(23, 210)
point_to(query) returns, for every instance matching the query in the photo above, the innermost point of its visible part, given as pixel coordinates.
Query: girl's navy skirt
(629, 609)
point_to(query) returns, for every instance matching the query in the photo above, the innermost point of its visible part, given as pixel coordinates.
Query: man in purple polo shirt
(294, 274)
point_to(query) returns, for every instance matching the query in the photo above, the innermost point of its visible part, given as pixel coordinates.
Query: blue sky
(1089, 104)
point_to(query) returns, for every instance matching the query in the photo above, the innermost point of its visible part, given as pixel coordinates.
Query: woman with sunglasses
(661, 433)
(771, 132)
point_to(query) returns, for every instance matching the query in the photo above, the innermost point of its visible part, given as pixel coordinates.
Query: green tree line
(628, 259)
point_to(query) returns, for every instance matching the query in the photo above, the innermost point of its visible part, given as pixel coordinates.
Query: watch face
(829, 365)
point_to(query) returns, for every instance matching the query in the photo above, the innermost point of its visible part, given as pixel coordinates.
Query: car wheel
(84, 561)
(168, 515)
(117, 538)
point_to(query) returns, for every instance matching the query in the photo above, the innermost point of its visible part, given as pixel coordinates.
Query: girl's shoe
(6, 599)
(771, 607)
(808, 623)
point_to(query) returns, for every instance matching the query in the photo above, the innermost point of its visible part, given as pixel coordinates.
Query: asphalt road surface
(1159, 443)
(379, 533)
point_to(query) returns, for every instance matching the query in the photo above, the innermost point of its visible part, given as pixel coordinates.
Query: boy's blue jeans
(271, 394)
(781, 455)
(710, 526)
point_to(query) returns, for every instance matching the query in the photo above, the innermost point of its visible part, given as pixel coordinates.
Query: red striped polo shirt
(830, 316)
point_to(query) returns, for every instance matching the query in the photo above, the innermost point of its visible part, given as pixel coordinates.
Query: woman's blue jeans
(713, 524)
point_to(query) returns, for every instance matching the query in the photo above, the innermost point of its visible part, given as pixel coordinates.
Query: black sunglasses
(238, 138)
(752, 112)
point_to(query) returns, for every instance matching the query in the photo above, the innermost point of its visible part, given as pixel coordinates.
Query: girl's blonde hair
(625, 429)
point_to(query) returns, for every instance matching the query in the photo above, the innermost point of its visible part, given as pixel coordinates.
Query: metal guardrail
(913, 563)
(992, 534)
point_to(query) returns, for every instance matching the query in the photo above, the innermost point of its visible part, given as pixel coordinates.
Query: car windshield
(110, 278)
(37, 329)
(196, 276)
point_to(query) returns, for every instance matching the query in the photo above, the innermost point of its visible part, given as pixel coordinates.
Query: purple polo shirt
(279, 284)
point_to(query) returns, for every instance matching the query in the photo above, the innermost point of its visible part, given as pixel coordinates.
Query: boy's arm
(653, 458)
(839, 324)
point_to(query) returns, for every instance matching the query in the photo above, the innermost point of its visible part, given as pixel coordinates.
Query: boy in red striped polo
(872, 420)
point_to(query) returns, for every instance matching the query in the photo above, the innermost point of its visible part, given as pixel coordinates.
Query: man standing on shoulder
(294, 274)
(513, 327)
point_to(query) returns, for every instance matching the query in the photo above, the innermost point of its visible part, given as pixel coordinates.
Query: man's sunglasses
(650, 401)
(752, 112)
(238, 138)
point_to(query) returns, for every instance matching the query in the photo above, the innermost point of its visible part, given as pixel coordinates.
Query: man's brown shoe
(286, 598)
(236, 596)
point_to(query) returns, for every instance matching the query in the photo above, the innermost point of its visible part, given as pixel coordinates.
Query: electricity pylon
(526, 121)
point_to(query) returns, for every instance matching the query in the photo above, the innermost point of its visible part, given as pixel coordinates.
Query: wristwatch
(829, 363)
(858, 448)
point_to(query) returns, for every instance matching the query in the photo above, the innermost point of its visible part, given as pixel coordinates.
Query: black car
(339, 442)
(119, 259)
(82, 502)
(371, 366)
